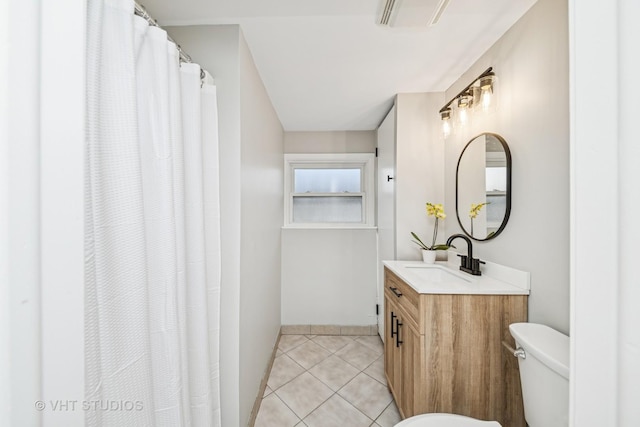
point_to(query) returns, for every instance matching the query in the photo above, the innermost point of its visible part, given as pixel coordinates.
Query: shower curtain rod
(142, 12)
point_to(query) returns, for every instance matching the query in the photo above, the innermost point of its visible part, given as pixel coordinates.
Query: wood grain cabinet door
(410, 361)
(391, 352)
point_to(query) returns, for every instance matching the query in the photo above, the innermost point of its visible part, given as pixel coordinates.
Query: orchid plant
(437, 211)
(474, 211)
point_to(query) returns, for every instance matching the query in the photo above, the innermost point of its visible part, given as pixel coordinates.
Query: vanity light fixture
(482, 86)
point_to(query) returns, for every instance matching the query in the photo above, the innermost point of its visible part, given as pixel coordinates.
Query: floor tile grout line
(322, 403)
(313, 366)
(310, 373)
(375, 379)
(350, 403)
(287, 382)
(290, 408)
(314, 409)
(361, 370)
(345, 361)
(327, 385)
(355, 407)
(343, 398)
(285, 403)
(336, 392)
(294, 347)
(328, 349)
(341, 387)
(284, 384)
(386, 407)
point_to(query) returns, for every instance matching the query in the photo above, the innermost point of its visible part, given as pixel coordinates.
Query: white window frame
(364, 161)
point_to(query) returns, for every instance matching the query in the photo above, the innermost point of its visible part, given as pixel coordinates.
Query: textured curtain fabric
(152, 247)
(211, 181)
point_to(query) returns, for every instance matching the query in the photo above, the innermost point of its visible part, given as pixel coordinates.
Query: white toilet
(544, 377)
(445, 420)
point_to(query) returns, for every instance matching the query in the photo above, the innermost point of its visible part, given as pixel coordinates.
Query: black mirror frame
(507, 212)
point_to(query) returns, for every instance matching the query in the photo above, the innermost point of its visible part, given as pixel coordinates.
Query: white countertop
(426, 279)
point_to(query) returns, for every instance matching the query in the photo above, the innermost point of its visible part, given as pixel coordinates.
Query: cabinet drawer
(405, 296)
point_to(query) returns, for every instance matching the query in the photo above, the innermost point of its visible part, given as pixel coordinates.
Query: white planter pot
(429, 257)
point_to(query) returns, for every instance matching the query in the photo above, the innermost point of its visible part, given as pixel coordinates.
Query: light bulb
(485, 100)
(464, 102)
(446, 128)
(486, 86)
(462, 113)
(445, 116)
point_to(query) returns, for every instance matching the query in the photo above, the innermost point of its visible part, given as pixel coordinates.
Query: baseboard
(263, 384)
(329, 330)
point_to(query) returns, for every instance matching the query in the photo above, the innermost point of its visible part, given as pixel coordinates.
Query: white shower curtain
(152, 229)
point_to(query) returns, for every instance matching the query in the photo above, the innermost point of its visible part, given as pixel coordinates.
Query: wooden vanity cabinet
(444, 353)
(401, 354)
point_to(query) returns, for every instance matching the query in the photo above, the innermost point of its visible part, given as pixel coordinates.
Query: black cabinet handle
(393, 316)
(398, 324)
(395, 291)
(389, 178)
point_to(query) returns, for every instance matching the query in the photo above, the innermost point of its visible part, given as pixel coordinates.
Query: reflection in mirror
(483, 186)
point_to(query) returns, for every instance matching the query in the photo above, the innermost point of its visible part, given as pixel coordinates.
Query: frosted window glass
(327, 181)
(496, 208)
(496, 179)
(346, 209)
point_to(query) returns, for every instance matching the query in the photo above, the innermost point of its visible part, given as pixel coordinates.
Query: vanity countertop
(445, 278)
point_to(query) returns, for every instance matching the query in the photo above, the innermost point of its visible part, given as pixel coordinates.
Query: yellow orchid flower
(436, 210)
(475, 209)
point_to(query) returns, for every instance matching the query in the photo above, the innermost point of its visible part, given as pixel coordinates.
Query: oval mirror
(483, 186)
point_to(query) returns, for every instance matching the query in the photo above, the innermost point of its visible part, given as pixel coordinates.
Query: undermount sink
(436, 274)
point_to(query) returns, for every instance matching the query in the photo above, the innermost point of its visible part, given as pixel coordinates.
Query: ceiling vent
(411, 13)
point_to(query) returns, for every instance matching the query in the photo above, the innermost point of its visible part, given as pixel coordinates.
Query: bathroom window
(329, 190)
(496, 188)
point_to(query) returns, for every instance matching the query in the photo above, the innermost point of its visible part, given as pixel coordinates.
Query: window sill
(328, 227)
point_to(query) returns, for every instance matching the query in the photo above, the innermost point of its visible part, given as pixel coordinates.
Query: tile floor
(328, 381)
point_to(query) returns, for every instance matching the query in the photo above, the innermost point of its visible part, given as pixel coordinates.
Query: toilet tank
(544, 374)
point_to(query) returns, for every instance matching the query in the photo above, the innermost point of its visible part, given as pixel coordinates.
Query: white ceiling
(328, 66)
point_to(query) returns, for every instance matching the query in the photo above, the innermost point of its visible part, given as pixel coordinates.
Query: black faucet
(468, 263)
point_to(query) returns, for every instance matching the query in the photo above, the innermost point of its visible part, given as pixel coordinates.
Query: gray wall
(419, 171)
(329, 275)
(262, 213)
(330, 142)
(531, 62)
(251, 141)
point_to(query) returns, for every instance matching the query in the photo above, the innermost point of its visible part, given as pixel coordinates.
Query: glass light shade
(462, 114)
(445, 116)
(446, 128)
(486, 98)
(465, 101)
(486, 88)
(486, 82)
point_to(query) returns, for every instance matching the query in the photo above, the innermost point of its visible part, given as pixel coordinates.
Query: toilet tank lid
(545, 344)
